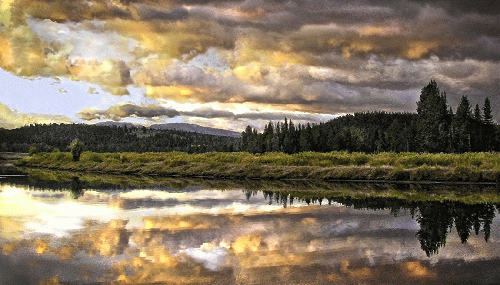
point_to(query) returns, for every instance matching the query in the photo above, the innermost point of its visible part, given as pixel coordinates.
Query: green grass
(472, 167)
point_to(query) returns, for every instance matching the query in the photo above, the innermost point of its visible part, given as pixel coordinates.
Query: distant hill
(117, 137)
(196, 129)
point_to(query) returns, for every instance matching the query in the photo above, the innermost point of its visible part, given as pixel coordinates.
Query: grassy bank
(467, 167)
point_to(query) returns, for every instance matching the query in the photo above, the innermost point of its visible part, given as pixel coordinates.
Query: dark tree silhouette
(433, 122)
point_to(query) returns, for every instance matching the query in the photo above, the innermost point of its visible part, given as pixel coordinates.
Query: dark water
(73, 231)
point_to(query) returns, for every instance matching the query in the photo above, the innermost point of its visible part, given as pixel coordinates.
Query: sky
(229, 63)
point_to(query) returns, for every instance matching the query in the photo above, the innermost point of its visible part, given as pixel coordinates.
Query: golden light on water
(211, 236)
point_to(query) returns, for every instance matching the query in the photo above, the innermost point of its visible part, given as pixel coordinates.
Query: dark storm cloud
(149, 13)
(290, 15)
(488, 7)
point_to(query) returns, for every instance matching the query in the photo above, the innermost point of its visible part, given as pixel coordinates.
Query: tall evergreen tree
(275, 141)
(305, 138)
(433, 126)
(488, 129)
(462, 126)
(289, 141)
(477, 142)
(267, 137)
(246, 138)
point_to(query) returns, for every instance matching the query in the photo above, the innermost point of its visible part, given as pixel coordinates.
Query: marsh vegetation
(468, 167)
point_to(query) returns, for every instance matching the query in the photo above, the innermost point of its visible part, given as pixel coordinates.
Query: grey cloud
(456, 33)
(268, 116)
(159, 13)
(431, 21)
(270, 23)
(465, 6)
(209, 113)
(122, 111)
(275, 116)
(458, 70)
(289, 15)
(340, 86)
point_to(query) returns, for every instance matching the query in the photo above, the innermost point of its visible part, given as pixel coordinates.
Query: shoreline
(465, 192)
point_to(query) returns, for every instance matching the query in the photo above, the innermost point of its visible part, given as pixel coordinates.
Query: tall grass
(305, 165)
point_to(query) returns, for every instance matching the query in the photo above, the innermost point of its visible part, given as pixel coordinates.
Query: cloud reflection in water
(220, 237)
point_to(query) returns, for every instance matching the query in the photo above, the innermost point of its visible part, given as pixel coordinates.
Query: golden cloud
(10, 119)
(419, 49)
(170, 39)
(112, 75)
(379, 30)
(5, 12)
(179, 93)
(6, 56)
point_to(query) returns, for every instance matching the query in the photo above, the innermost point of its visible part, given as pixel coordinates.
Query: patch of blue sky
(58, 96)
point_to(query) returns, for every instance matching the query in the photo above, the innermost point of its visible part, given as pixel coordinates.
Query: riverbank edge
(240, 171)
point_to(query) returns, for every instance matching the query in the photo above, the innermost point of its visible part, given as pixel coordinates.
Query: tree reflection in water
(436, 219)
(76, 189)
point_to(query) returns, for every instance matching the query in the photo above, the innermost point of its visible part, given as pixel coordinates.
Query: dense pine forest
(45, 138)
(434, 128)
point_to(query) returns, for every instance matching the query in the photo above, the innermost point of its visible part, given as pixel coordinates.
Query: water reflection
(436, 219)
(76, 189)
(197, 235)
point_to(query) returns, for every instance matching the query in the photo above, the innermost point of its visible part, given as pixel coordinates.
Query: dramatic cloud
(317, 57)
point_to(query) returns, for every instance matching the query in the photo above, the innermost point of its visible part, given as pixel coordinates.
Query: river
(72, 231)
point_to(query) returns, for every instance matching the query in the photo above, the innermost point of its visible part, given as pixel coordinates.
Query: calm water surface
(197, 235)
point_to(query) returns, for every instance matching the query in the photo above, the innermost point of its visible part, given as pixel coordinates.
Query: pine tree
(305, 138)
(433, 126)
(289, 142)
(246, 137)
(462, 126)
(267, 137)
(477, 143)
(488, 129)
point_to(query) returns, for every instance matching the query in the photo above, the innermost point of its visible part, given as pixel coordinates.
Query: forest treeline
(434, 128)
(46, 138)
